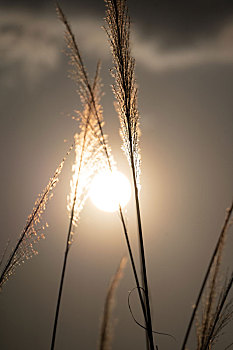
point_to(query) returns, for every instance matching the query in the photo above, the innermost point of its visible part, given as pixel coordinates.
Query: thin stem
(68, 240)
(61, 285)
(133, 265)
(222, 233)
(143, 264)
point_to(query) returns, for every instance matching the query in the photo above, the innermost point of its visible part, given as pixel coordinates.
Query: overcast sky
(184, 69)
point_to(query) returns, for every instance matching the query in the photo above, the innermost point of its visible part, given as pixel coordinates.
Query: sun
(108, 190)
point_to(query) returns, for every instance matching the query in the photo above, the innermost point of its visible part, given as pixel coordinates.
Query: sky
(184, 71)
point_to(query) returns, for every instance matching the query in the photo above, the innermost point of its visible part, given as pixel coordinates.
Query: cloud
(217, 50)
(31, 45)
(181, 23)
(28, 42)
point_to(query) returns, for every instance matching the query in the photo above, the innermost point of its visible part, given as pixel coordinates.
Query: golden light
(108, 190)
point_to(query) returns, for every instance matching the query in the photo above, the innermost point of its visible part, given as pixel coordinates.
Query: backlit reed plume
(106, 333)
(90, 95)
(220, 313)
(92, 162)
(32, 232)
(222, 316)
(210, 299)
(214, 299)
(215, 316)
(125, 90)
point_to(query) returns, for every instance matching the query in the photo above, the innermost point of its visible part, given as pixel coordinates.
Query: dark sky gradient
(184, 69)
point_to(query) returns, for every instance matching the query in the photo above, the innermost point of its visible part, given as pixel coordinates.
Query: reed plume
(217, 313)
(209, 304)
(221, 316)
(125, 90)
(89, 94)
(32, 232)
(106, 333)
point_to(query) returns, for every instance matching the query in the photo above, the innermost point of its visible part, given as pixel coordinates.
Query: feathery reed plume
(90, 158)
(31, 234)
(221, 317)
(106, 326)
(89, 94)
(204, 329)
(125, 90)
(215, 259)
(210, 300)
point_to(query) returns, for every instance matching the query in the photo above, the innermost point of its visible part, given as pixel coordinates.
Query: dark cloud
(80, 7)
(166, 35)
(182, 23)
(29, 45)
(173, 23)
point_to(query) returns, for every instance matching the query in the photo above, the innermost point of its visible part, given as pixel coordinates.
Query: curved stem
(133, 265)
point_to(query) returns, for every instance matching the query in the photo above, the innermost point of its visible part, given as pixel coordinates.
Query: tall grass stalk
(73, 220)
(31, 234)
(88, 156)
(218, 247)
(81, 77)
(118, 31)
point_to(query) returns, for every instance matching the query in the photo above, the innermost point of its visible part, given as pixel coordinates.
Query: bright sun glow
(110, 189)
